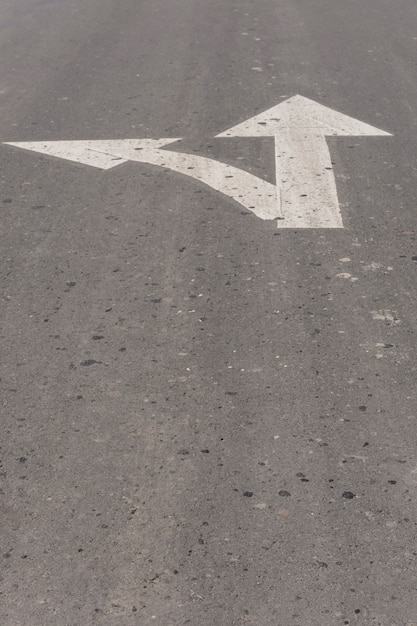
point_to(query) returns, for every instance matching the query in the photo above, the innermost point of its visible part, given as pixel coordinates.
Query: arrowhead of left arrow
(103, 154)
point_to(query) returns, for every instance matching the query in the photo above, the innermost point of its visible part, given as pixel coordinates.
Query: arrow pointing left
(252, 192)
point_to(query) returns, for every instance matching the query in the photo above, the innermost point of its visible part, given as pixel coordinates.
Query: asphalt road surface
(207, 420)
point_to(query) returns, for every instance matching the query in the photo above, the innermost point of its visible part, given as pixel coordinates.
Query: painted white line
(252, 192)
(304, 171)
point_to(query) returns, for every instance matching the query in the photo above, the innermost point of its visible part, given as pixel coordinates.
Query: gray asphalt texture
(206, 420)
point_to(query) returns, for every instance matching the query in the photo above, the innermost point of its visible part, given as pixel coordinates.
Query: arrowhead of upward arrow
(299, 112)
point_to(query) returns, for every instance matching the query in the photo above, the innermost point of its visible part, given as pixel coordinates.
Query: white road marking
(304, 195)
(255, 194)
(304, 170)
(78, 151)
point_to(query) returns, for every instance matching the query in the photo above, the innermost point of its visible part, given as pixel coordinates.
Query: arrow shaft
(305, 177)
(254, 193)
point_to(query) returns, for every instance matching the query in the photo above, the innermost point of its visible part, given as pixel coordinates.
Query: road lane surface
(206, 420)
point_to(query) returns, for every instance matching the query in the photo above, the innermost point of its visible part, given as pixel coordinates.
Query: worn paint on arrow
(304, 172)
(305, 194)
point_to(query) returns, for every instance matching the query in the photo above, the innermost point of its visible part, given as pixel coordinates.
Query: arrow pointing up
(304, 172)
